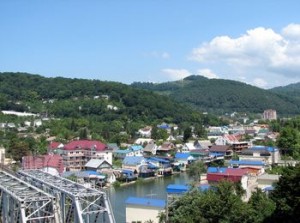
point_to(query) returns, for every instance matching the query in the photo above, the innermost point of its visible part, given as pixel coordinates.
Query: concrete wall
(141, 213)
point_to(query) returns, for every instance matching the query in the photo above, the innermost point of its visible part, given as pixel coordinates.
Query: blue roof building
(148, 202)
(247, 163)
(143, 209)
(216, 169)
(181, 189)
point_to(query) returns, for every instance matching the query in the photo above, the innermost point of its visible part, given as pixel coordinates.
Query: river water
(154, 188)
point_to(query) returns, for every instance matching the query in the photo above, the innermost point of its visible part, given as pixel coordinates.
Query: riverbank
(146, 179)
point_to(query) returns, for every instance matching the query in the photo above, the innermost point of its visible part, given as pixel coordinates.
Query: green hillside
(220, 96)
(291, 90)
(66, 97)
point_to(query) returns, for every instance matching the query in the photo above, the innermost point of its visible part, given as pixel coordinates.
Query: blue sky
(257, 41)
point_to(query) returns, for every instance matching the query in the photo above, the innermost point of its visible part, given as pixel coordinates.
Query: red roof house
(85, 144)
(230, 174)
(43, 161)
(55, 145)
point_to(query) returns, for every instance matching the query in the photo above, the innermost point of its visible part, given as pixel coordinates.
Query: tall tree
(286, 196)
(187, 134)
(196, 169)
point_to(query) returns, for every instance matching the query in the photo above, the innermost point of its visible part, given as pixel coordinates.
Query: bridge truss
(21, 202)
(77, 204)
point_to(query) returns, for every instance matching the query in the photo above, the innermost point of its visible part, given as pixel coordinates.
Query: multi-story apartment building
(77, 153)
(270, 114)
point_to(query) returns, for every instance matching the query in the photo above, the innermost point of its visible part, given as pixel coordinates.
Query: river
(155, 188)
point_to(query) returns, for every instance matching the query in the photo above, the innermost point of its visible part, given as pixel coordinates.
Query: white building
(143, 209)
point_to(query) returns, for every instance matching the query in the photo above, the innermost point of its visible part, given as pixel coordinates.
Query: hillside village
(233, 152)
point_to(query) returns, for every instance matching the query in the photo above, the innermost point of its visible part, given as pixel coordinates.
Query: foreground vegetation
(223, 203)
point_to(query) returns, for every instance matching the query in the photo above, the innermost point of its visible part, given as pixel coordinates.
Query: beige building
(144, 209)
(267, 180)
(3, 160)
(270, 114)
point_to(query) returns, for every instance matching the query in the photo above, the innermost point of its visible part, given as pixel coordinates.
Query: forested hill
(219, 95)
(291, 90)
(66, 97)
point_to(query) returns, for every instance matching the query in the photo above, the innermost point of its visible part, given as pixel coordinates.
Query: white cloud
(292, 31)
(260, 51)
(207, 73)
(259, 82)
(176, 74)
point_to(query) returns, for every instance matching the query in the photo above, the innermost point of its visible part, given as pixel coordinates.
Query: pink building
(77, 153)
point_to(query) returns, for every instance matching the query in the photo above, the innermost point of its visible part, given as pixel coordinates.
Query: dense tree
(224, 96)
(286, 196)
(17, 149)
(262, 207)
(289, 141)
(196, 169)
(187, 134)
(220, 204)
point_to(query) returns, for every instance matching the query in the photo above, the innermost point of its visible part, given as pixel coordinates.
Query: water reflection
(148, 188)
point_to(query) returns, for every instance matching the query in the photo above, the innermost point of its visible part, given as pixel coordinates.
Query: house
(253, 166)
(230, 174)
(184, 158)
(270, 155)
(52, 164)
(111, 107)
(37, 122)
(250, 132)
(88, 178)
(222, 149)
(3, 159)
(163, 166)
(143, 141)
(127, 175)
(113, 146)
(144, 209)
(55, 147)
(171, 138)
(190, 146)
(166, 149)
(200, 154)
(180, 189)
(122, 153)
(226, 139)
(145, 132)
(204, 144)
(262, 133)
(165, 126)
(78, 152)
(267, 180)
(133, 150)
(134, 163)
(150, 149)
(97, 165)
(111, 175)
(214, 132)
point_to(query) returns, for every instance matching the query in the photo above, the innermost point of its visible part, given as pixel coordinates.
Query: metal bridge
(75, 203)
(21, 202)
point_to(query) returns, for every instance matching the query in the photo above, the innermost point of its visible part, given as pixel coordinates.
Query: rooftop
(148, 202)
(85, 144)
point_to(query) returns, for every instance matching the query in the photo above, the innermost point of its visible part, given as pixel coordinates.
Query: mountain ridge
(224, 96)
